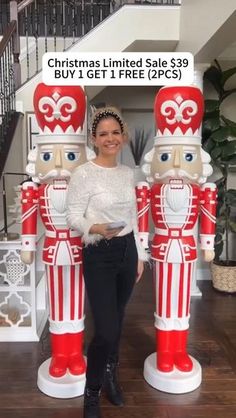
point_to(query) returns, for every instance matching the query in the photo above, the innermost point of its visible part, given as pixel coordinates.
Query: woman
(104, 211)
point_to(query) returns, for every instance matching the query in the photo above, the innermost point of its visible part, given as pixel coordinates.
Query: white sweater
(101, 195)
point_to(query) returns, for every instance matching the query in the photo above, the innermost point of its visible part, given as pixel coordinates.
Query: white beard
(58, 198)
(176, 197)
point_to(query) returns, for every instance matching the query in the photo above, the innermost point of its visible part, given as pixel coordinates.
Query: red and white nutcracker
(178, 167)
(60, 147)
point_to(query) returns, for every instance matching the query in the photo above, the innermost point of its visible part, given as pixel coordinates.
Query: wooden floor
(212, 341)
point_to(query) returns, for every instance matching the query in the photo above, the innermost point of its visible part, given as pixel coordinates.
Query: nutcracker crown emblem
(60, 113)
(178, 114)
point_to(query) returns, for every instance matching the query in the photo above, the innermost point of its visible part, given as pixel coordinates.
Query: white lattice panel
(23, 311)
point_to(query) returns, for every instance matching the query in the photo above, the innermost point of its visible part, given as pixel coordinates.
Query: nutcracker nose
(176, 161)
(58, 159)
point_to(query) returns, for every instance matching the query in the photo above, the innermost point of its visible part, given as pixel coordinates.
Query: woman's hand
(104, 230)
(140, 269)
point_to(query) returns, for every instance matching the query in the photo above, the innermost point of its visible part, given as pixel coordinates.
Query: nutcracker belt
(62, 234)
(174, 232)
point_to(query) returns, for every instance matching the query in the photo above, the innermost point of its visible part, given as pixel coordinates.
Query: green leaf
(218, 238)
(223, 166)
(232, 192)
(227, 74)
(232, 131)
(211, 124)
(220, 230)
(219, 208)
(230, 197)
(228, 122)
(231, 163)
(214, 75)
(209, 145)
(229, 150)
(216, 152)
(221, 221)
(222, 134)
(219, 249)
(222, 212)
(227, 93)
(212, 106)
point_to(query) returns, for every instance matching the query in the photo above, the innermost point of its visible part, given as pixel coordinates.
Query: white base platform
(195, 291)
(65, 387)
(172, 382)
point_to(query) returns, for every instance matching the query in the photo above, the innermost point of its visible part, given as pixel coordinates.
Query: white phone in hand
(115, 225)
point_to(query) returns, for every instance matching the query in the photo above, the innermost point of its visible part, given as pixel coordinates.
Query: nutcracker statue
(178, 168)
(60, 147)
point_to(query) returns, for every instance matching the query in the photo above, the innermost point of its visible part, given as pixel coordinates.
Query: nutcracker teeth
(59, 183)
(176, 183)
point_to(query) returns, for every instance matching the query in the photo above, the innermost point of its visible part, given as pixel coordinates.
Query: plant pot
(224, 277)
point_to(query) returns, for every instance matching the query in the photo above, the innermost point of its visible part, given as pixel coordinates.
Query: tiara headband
(106, 114)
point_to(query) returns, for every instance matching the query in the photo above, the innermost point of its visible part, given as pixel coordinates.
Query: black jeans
(110, 269)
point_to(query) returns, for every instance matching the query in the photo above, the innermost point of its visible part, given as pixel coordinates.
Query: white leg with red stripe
(66, 316)
(66, 298)
(172, 291)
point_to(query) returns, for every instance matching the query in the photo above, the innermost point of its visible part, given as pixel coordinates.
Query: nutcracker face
(58, 161)
(177, 162)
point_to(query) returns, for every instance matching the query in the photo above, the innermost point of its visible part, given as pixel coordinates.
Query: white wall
(207, 27)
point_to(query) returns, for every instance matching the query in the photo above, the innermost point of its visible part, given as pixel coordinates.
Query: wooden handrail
(7, 36)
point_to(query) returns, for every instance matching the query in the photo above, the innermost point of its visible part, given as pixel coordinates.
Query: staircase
(8, 115)
(32, 27)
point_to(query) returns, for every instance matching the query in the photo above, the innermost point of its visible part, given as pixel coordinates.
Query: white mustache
(183, 173)
(177, 173)
(55, 173)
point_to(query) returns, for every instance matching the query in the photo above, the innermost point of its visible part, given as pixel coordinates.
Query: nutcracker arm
(208, 216)
(29, 202)
(143, 203)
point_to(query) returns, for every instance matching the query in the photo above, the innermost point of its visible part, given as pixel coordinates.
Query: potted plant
(137, 146)
(219, 141)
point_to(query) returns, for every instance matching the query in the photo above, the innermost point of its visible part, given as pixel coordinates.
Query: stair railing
(55, 25)
(7, 80)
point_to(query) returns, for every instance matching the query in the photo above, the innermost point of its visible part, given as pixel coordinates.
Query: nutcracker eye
(189, 157)
(72, 156)
(165, 157)
(46, 156)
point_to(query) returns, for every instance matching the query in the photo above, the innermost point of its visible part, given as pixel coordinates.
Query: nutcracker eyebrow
(165, 149)
(189, 148)
(71, 147)
(47, 147)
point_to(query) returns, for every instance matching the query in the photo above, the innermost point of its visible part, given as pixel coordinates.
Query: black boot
(111, 385)
(91, 403)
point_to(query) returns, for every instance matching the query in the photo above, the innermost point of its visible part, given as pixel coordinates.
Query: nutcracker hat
(60, 113)
(178, 115)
